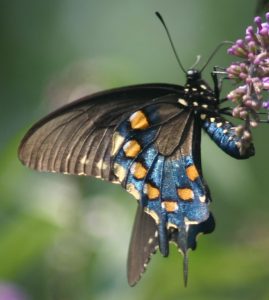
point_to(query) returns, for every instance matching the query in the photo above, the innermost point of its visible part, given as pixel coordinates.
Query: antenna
(214, 53)
(171, 42)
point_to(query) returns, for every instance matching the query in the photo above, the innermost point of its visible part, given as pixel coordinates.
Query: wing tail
(144, 242)
(185, 239)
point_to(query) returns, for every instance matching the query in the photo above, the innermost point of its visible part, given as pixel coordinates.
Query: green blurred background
(64, 237)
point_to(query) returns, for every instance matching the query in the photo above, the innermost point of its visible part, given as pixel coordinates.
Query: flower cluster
(251, 74)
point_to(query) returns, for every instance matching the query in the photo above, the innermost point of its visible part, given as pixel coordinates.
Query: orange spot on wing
(138, 170)
(185, 194)
(151, 191)
(138, 120)
(131, 148)
(192, 172)
(170, 206)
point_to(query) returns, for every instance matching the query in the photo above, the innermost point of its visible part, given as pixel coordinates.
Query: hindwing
(156, 158)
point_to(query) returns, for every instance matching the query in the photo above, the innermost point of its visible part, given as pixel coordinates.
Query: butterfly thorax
(198, 95)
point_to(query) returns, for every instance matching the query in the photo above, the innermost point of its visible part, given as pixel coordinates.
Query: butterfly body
(146, 138)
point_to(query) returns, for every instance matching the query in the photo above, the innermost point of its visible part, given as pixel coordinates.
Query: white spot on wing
(171, 225)
(183, 102)
(119, 171)
(202, 198)
(150, 241)
(117, 142)
(133, 191)
(68, 156)
(101, 165)
(189, 222)
(81, 174)
(83, 159)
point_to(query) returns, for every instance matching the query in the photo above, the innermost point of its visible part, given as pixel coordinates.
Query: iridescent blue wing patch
(156, 158)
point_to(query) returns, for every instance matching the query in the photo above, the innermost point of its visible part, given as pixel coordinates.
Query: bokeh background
(66, 238)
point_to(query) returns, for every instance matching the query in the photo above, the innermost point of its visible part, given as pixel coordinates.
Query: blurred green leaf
(22, 241)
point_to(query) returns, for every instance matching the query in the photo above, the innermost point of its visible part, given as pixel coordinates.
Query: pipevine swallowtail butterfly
(147, 139)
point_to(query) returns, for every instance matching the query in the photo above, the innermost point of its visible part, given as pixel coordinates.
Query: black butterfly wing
(205, 227)
(144, 242)
(77, 138)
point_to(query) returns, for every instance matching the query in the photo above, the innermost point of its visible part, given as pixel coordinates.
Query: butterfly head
(193, 75)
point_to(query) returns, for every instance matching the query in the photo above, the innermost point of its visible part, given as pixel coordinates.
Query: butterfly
(147, 139)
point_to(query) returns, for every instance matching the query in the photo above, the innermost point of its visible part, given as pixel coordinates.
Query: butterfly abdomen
(224, 135)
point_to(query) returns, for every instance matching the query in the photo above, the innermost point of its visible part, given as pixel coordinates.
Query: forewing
(77, 139)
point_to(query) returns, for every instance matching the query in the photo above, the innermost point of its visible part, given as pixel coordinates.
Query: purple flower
(265, 82)
(9, 291)
(265, 104)
(251, 74)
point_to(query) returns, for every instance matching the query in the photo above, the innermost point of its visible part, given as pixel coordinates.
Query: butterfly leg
(218, 81)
